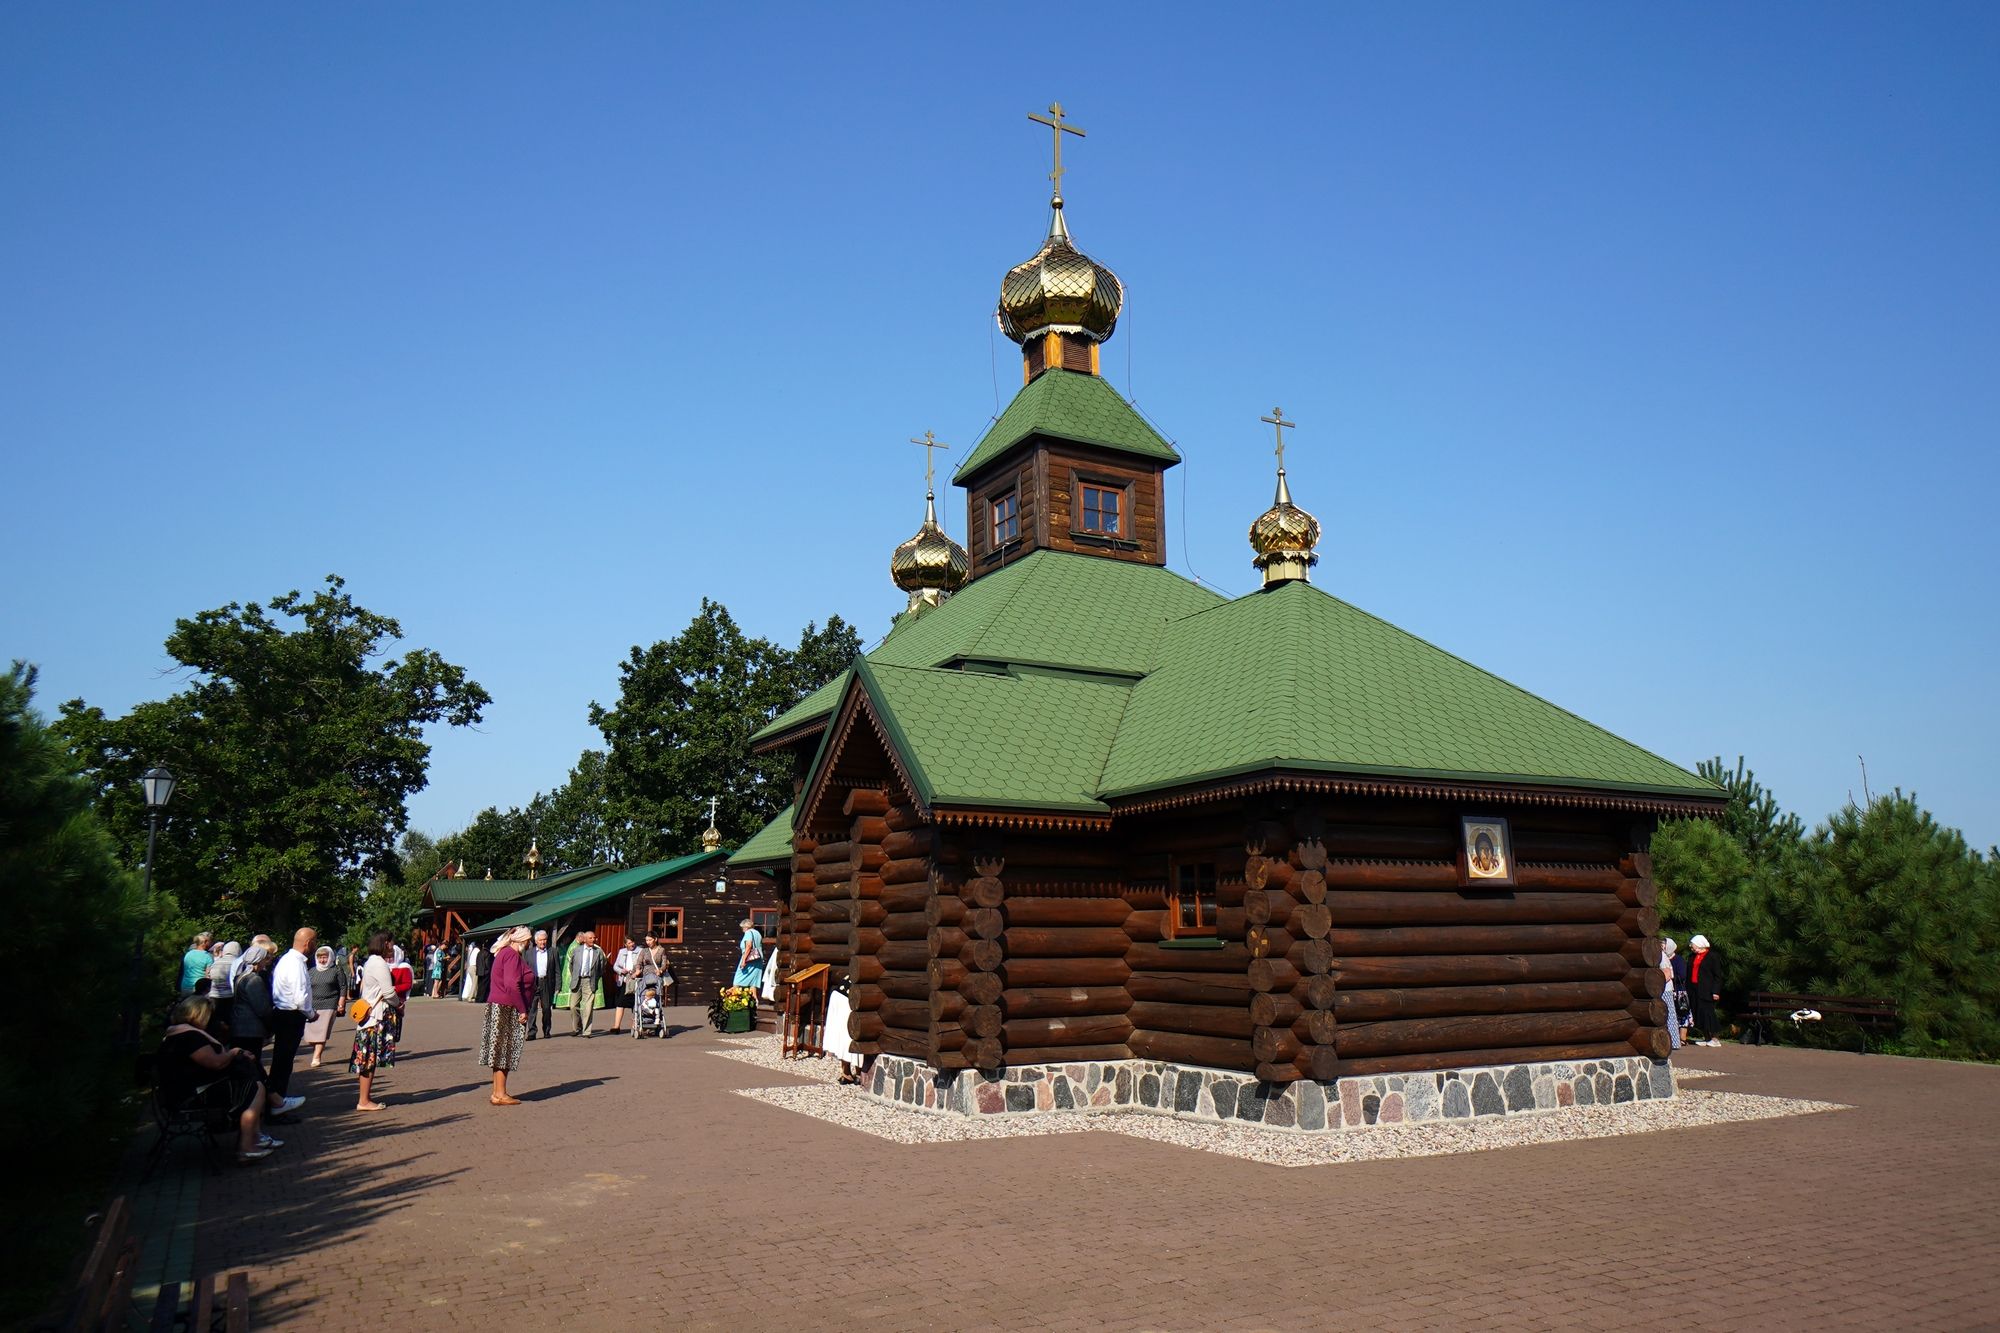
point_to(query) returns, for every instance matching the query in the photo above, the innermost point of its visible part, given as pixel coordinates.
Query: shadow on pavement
(435, 1094)
(564, 1089)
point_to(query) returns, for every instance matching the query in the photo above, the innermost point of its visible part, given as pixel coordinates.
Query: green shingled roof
(596, 891)
(1295, 678)
(773, 842)
(455, 892)
(1068, 405)
(1052, 609)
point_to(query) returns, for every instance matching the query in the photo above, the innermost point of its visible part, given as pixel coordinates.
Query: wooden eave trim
(1574, 798)
(793, 735)
(1020, 821)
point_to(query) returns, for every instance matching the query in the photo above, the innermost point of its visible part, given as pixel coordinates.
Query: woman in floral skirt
(511, 998)
(375, 1033)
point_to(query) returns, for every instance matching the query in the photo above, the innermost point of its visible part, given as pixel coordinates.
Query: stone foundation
(1189, 1092)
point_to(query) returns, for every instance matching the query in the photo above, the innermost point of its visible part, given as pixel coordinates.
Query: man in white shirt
(291, 1010)
(548, 971)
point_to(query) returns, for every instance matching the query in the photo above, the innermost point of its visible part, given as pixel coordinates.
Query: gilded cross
(929, 442)
(711, 810)
(1279, 426)
(1058, 127)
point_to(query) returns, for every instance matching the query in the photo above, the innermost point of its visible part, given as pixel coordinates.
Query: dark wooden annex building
(692, 903)
(1077, 806)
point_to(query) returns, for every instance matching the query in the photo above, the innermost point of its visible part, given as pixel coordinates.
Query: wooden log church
(1078, 808)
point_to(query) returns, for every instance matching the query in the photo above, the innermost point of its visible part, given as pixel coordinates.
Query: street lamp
(158, 784)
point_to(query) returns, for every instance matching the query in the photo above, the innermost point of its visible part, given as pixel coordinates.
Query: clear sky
(1644, 355)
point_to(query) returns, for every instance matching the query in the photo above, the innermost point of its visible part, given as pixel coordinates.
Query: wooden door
(610, 936)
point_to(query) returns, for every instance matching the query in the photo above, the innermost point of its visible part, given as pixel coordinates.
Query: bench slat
(239, 1303)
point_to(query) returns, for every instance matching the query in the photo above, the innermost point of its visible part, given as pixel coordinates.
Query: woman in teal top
(750, 960)
(195, 962)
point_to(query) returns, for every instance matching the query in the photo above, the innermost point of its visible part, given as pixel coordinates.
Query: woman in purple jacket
(510, 999)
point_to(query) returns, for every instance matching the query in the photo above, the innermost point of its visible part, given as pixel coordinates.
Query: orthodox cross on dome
(1279, 426)
(929, 442)
(1058, 127)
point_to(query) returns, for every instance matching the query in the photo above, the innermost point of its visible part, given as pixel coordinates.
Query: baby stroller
(649, 1006)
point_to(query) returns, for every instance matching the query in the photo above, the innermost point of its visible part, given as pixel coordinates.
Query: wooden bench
(1863, 1013)
(101, 1299)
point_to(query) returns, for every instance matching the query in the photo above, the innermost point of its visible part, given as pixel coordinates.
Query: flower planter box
(737, 1020)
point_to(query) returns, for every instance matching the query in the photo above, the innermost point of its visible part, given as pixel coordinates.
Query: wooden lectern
(805, 1012)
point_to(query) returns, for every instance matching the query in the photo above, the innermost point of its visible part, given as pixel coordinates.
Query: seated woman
(194, 1063)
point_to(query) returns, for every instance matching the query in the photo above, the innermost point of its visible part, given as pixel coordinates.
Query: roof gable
(1068, 405)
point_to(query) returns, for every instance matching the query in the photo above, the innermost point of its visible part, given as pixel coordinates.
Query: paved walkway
(635, 1189)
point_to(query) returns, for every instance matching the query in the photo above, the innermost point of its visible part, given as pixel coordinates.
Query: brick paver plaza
(636, 1190)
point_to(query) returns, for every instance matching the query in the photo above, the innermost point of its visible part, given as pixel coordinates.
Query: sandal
(254, 1155)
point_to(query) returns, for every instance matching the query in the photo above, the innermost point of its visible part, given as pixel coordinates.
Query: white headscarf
(1699, 942)
(254, 955)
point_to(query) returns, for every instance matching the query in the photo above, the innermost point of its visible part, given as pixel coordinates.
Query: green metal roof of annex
(1068, 405)
(1050, 609)
(455, 892)
(596, 891)
(773, 842)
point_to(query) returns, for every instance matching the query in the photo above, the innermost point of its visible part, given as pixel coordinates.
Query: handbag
(358, 1011)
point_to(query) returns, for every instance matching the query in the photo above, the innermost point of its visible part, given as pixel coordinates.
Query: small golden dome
(711, 838)
(1283, 539)
(1060, 290)
(929, 566)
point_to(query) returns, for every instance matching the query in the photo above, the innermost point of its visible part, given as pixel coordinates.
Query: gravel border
(824, 1099)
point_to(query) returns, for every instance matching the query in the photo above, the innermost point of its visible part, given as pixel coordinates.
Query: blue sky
(1644, 355)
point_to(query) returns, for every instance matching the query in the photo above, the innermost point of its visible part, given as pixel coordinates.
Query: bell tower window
(1006, 520)
(1100, 510)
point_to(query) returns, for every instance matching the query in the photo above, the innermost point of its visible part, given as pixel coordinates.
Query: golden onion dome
(929, 566)
(1060, 290)
(1283, 538)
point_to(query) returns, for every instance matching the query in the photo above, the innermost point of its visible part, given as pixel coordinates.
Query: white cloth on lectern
(835, 1040)
(771, 982)
(471, 986)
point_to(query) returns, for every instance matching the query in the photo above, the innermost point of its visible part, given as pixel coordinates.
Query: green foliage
(1878, 901)
(387, 905)
(680, 732)
(295, 756)
(63, 1078)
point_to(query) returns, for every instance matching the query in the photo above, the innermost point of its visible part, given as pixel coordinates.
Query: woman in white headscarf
(1667, 994)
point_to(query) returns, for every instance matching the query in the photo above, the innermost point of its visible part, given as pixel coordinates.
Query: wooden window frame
(1121, 508)
(1175, 930)
(656, 915)
(1125, 539)
(758, 915)
(1011, 496)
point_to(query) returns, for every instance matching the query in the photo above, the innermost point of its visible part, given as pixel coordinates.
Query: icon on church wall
(1488, 855)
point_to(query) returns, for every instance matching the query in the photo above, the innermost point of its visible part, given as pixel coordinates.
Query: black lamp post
(159, 787)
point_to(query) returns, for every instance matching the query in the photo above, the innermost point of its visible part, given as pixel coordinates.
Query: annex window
(764, 920)
(1006, 520)
(664, 924)
(1192, 908)
(1101, 506)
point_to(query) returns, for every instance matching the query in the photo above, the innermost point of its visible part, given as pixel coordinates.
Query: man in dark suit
(546, 967)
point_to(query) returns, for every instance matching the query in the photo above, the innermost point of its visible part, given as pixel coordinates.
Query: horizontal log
(1477, 969)
(1065, 1001)
(1640, 921)
(1195, 1020)
(983, 1053)
(1322, 1063)
(909, 1045)
(1030, 973)
(1065, 942)
(1267, 873)
(981, 987)
(1316, 1027)
(1646, 983)
(863, 1049)
(913, 870)
(1274, 1009)
(1025, 853)
(946, 1036)
(828, 913)
(1420, 908)
(870, 829)
(907, 898)
(1389, 875)
(1285, 1073)
(1648, 1013)
(1273, 974)
(946, 941)
(1519, 1055)
(1275, 1045)
(1356, 1006)
(942, 909)
(865, 801)
(984, 891)
(1314, 957)
(866, 886)
(904, 817)
(1231, 957)
(1230, 923)
(904, 925)
(905, 985)
(1066, 911)
(1308, 886)
(863, 1026)
(985, 923)
(834, 891)
(1180, 1048)
(1592, 848)
(1077, 1030)
(1313, 921)
(802, 862)
(912, 1014)
(1639, 893)
(1066, 1055)
(981, 1020)
(901, 846)
(830, 953)
(861, 939)
(1269, 907)
(862, 912)
(982, 955)
(950, 1060)
(1317, 992)
(803, 842)
(1653, 1042)
(866, 998)
(868, 969)
(1486, 1031)
(1642, 953)
(1269, 942)
(832, 853)
(1572, 879)
(1408, 940)
(946, 1006)
(1148, 927)
(1190, 988)
(905, 955)
(1396, 842)
(946, 973)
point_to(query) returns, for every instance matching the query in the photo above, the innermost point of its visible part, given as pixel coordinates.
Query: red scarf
(1694, 973)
